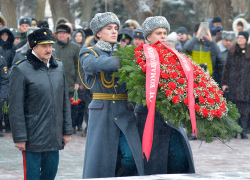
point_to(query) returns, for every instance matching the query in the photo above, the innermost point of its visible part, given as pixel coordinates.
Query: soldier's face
(24, 27)
(227, 43)
(43, 51)
(159, 34)
(108, 33)
(4, 36)
(138, 41)
(17, 40)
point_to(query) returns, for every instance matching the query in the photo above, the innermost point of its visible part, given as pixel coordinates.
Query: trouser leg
(49, 165)
(31, 165)
(243, 124)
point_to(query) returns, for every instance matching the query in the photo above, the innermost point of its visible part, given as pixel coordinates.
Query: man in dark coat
(39, 107)
(68, 52)
(113, 146)
(4, 86)
(171, 151)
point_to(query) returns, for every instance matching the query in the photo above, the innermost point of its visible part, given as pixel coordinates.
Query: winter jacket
(3, 20)
(4, 78)
(83, 39)
(68, 53)
(7, 49)
(39, 108)
(236, 73)
(245, 25)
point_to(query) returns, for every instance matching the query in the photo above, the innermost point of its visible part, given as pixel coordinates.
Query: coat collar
(37, 63)
(236, 48)
(106, 46)
(222, 47)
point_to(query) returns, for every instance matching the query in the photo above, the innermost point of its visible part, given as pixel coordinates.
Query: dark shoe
(192, 138)
(74, 130)
(84, 134)
(79, 128)
(243, 135)
(1, 135)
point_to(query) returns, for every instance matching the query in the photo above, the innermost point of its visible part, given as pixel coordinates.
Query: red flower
(212, 113)
(138, 54)
(173, 75)
(195, 85)
(211, 89)
(197, 107)
(144, 69)
(202, 84)
(139, 48)
(218, 113)
(170, 68)
(204, 112)
(205, 93)
(165, 76)
(198, 92)
(210, 101)
(179, 91)
(220, 93)
(172, 85)
(176, 99)
(178, 67)
(185, 101)
(168, 93)
(139, 60)
(172, 60)
(196, 73)
(180, 81)
(202, 100)
(162, 84)
(216, 99)
(142, 64)
(182, 73)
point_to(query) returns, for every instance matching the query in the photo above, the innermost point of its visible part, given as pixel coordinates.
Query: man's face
(63, 36)
(79, 37)
(17, 40)
(4, 36)
(108, 33)
(138, 41)
(217, 24)
(24, 27)
(182, 37)
(159, 34)
(43, 51)
(227, 43)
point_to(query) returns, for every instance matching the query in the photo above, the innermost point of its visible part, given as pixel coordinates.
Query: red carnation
(170, 68)
(139, 54)
(144, 69)
(220, 93)
(212, 113)
(205, 93)
(210, 101)
(182, 73)
(142, 64)
(211, 89)
(172, 60)
(139, 48)
(165, 76)
(197, 107)
(216, 99)
(195, 85)
(185, 101)
(218, 113)
(176, 99)
(168, 93)
(202, 100)
(180, 81)
(178, 67)
(202, 84)
(139, 60)
(204, 112)
(172, 85)
(162, 84)
(198, 92)
(174, 75)
(179, 91)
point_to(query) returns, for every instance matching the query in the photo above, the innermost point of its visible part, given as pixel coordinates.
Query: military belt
(108, 96)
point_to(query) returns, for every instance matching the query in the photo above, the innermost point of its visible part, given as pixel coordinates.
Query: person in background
(240, 24)
(132, 24)
(125, 36)
(215, 22)
(224, 46)
(182, 37)
(59, 21)
(172, 41)
(138, 37)
(85, 25)
(236, 79)
(79, 37)
(39, 108)
(24, 23)
(42, 23)
(214, 31)
(2, 21)
(90, 40)
(33, 22)
(16, 35)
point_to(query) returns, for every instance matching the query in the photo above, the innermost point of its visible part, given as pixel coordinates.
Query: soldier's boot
(243, 123)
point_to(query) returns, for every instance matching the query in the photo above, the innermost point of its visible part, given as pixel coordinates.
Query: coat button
(113, 102)
(115, 118)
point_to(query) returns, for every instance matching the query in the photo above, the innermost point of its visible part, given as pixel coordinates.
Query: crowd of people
(42, 70)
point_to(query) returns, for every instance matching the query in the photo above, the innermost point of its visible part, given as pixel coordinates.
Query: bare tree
(60, 9)
(141, 9)
(87, 9)
(40, 10)
(9, 12)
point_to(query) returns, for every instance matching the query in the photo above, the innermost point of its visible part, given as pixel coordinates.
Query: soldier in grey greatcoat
(171, 152)
(113, 146)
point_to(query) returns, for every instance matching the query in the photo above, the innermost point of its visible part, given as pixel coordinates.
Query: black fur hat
(41, 36)
(63, 28)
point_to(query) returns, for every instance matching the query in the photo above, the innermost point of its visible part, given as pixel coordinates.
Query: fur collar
(236, 48)
(105, 46)
(37, 63)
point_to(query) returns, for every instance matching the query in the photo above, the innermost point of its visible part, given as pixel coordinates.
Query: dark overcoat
(107, 119)
(159, 157)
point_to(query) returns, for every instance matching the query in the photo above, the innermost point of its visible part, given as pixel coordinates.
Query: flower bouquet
(75, 99)
(212, 115)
